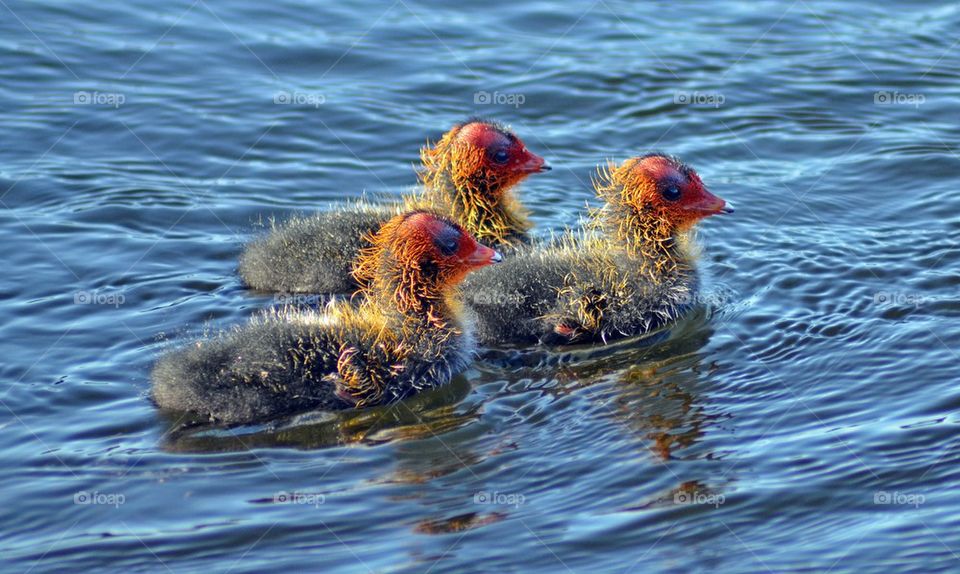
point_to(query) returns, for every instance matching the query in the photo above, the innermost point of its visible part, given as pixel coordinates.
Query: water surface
(806, 421)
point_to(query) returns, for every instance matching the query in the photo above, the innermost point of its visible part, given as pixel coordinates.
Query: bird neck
(416, 305)
(480, 200)
(406, 293)
(660, 250)
(645, 233)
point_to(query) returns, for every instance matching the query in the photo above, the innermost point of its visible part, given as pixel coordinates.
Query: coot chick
(469, 176)
(407, 335)
(629, 272)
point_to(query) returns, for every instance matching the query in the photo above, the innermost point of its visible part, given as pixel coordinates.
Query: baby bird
(629, 272)
(406, 336)
(468, 175)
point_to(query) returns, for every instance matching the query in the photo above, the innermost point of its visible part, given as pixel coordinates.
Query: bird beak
(483, 256)
(708, 204)
(534, 164)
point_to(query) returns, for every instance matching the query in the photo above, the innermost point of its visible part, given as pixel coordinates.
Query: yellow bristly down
(455, 176)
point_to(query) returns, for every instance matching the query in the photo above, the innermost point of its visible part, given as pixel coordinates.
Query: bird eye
(448, 243)
(670, 193)
(501, 156)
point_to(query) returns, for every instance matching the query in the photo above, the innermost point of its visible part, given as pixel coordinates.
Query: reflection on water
(459, 523)
(428, 414)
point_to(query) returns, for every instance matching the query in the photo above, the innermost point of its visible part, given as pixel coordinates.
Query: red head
(434, 243)
(420, 255)
(667, 187)
(483, 156)
(503, 152)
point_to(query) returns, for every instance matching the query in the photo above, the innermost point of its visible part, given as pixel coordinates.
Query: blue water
(807, 422)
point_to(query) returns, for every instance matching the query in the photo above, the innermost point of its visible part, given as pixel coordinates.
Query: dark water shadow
(424, 415)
